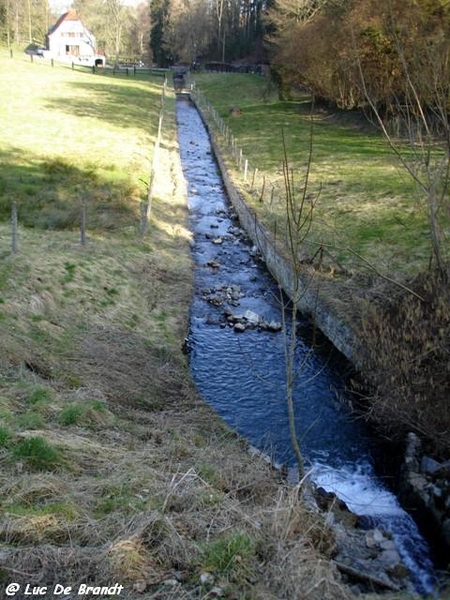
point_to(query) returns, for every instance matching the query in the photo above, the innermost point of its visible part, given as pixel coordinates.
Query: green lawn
(365, 201)
(67, 135)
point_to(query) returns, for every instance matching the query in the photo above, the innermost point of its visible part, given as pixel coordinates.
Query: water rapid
(242, 375)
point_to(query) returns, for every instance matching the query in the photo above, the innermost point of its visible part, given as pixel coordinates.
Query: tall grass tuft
(231, 554)
(37, 454)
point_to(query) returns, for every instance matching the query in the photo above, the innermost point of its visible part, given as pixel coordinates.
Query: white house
(69, 40)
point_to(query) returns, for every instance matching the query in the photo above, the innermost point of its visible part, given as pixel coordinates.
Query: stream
(242, 374)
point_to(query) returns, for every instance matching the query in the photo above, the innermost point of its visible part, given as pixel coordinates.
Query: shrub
(71, 415)
(210, 474)
(39, 395)
(70, 272)
(87, 414)
(408, 345)
(31, 420)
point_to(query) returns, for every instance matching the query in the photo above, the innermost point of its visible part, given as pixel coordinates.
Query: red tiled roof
(71, 15)
(68, 16)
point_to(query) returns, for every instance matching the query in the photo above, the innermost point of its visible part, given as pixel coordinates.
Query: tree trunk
(436, 233)
(290, 385)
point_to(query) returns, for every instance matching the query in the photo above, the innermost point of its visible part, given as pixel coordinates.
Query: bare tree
(286, 12)
(23, 22)
(116, 18)
(187, 33)
(118, 27)
(7, 21)
(299, 212)
(138, 37)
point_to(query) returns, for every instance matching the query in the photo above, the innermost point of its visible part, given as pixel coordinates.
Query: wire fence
(266, 190)
(145, 205)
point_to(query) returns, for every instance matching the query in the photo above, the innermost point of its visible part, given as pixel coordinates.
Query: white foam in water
(358, 489)
(364, 495)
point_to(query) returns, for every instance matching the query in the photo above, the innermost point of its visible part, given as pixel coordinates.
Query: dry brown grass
(147, 516)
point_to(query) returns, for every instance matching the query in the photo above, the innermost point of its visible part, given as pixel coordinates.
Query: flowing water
(242, 375)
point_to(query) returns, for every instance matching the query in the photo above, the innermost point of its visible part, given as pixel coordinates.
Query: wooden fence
(145, 207)
(115, 70)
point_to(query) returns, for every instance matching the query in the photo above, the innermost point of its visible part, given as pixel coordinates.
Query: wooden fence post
(83, 222)
(14, 229)
(147, 205)
(271, 196)
(254, 177)
(143, 221)
(263, 189)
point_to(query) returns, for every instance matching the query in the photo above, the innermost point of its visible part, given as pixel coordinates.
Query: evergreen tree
(159, 12)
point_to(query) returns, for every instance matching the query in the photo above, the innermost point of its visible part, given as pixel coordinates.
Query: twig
(375, 270)
(362, 576)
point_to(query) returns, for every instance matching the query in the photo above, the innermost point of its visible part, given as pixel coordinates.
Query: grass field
(365, 203)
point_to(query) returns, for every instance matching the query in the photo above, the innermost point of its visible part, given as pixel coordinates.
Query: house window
(73, 50)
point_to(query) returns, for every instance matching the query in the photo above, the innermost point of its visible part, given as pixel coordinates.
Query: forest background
(311, 43)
